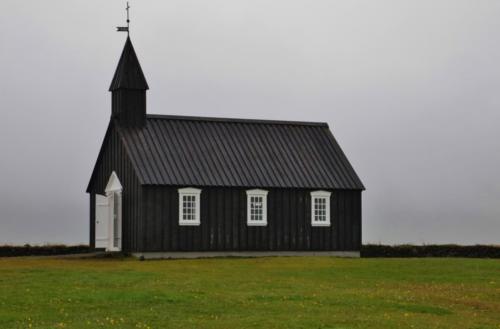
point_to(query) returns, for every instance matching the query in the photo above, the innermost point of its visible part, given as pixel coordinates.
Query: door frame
(114, 191)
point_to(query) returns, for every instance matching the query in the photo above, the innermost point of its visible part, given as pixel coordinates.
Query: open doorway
(108, 228)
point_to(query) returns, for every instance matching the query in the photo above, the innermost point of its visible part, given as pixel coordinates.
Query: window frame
(321, 195)
(189, 191)
(257, 193)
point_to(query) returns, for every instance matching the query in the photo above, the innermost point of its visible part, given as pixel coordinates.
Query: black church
(168, 186)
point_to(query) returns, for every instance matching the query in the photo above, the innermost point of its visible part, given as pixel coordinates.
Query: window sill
(256, 224)
(321, 225)
(189, 223)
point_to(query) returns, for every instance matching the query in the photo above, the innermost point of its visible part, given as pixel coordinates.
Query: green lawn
(315, 292)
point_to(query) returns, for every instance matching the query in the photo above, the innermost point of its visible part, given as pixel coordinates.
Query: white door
(101, 221)
(114, 218)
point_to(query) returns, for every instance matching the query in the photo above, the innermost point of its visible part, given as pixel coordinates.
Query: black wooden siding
(129, 107)
(113, 157)
(224, 224)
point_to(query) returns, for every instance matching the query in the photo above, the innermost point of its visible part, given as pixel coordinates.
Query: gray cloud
(410, 89)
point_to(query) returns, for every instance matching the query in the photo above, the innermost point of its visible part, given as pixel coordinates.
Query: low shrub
(369, 250)
(43, 250)
(444, 250)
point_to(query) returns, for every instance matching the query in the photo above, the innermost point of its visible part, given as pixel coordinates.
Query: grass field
(250, 293)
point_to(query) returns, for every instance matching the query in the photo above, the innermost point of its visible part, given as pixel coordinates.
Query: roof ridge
(235, 120)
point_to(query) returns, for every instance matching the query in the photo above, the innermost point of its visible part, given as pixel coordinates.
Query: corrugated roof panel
(301, 151)
(180, 156)
(319, 156)
(195, 151)
(228, 159)
(131, 147)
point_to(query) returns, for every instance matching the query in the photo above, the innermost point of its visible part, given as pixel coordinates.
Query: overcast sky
(411, 90)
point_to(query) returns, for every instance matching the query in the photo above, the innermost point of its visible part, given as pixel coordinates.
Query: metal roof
(196, 151)
(128, 74)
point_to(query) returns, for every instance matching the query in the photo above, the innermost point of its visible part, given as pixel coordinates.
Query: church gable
(113, 157)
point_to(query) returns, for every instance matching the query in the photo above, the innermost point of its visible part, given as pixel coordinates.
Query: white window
(320, 208)
(256, 208)
(189, 206)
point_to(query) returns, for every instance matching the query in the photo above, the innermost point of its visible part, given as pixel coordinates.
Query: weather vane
(125, 28)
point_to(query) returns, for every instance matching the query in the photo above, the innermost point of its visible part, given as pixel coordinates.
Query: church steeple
(128, 89)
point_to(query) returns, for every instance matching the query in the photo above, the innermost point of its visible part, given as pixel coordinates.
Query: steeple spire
(128, 89)
(128, 73)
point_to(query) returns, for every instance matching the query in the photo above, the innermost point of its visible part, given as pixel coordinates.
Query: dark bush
(369, 250)
(444, 250)
(45, 250)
